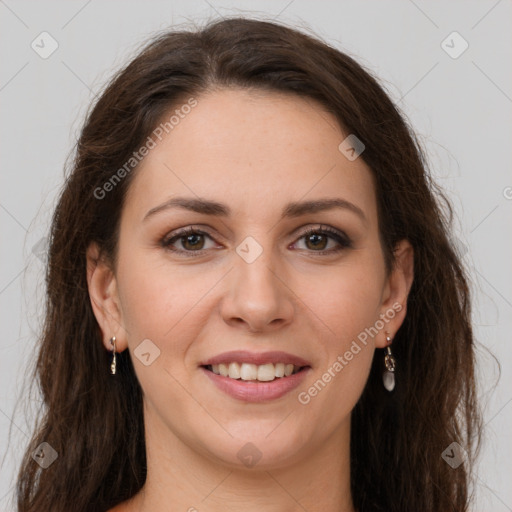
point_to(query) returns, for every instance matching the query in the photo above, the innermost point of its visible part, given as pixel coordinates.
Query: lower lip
(250, 391)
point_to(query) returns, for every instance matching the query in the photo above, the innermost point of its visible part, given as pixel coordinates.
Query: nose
(258, 298)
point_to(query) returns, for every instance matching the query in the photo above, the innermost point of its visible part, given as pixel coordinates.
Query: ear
(102, 285)
(396, 291)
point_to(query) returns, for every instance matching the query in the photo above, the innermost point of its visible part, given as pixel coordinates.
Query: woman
(252, 300)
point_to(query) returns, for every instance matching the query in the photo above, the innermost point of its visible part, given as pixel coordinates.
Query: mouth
(251, 383)
(256, 376)
(255, 373)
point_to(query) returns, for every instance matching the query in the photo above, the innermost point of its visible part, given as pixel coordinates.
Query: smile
(254, 390)
(252, 372)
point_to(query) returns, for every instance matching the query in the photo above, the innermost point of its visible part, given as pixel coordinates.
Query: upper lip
(243, 356)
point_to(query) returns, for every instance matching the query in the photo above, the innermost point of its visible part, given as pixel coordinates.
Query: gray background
(461, 108)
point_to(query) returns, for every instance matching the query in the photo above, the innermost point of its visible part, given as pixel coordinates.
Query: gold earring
(388, 377)
(113, 364)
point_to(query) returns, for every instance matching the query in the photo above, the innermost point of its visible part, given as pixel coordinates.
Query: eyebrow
(291, 210)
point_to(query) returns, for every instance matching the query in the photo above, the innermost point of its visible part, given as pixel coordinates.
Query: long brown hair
(95, 422)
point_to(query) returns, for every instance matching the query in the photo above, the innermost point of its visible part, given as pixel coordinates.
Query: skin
(253, 152)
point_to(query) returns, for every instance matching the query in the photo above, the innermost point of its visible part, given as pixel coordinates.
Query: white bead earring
(388, 376)
(113, 363)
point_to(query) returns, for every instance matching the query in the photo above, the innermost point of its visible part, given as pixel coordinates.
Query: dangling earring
(113, 363)
(388, 376)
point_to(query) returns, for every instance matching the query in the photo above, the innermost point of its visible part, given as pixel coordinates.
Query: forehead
(254, 151)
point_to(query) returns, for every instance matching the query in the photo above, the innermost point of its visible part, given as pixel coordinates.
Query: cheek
(348, 303)
(151, 289)
(347, 298)
(164, 303)
(351, 311)
(348, 307)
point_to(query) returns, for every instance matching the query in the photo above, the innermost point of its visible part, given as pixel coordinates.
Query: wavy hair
(95, 422)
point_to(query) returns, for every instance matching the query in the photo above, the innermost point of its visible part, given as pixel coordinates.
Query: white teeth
(266, 372)
(246, 371)
(223, 369)
(234, 370)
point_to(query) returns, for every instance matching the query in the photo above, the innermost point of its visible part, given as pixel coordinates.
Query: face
(260, 271)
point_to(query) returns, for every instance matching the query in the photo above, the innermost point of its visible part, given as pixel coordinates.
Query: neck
(180, 477)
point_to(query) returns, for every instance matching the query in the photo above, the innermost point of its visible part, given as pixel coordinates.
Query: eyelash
(338, 236)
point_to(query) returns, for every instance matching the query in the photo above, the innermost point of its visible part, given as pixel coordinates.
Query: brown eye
(191, 240)
(317, 240)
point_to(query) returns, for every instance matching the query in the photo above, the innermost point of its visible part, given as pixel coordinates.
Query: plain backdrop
(460, 103)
